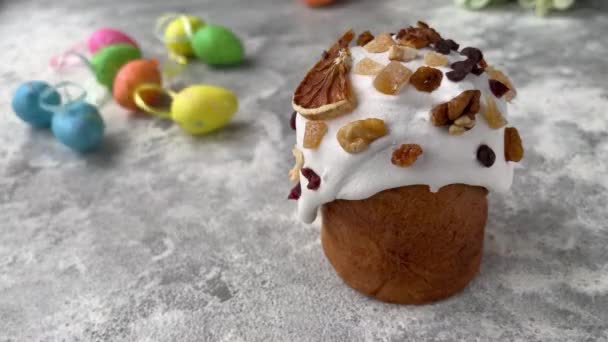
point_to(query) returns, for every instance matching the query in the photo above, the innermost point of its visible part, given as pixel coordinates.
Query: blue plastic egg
(26, 103)
(78, 126)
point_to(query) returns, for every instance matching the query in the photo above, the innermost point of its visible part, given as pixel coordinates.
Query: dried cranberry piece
(498, 88)
(472, 53)
(295, 192)
(314, 181)
(456, 76)
(292, 121)
(486, 155)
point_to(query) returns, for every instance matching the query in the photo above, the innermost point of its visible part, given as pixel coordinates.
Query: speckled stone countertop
(163, 237)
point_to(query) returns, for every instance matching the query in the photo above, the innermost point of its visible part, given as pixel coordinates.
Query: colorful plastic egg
(176, 34)
(79, 126)
(130, 76)
(201, 109)
(108, 36)
(107, 62)
(218, 46)
(27, 103)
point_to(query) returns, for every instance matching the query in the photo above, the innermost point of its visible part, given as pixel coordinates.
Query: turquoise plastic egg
(26, 103)
(79, 126)
(107, 62)
(218, 46)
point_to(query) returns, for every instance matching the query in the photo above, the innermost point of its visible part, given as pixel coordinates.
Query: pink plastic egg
(108, 36)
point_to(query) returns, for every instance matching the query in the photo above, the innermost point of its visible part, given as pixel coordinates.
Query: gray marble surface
(163, 237)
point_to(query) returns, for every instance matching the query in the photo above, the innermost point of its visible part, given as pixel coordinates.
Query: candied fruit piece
(392, 78)
(381, 43)
(492, 114)
(406, 155)
(402, 53)
(355, 136)
(432, 58)
(368, 67)
(426, 79)
(514, 151)
(364, 38)
(326, 91)
(313, 134)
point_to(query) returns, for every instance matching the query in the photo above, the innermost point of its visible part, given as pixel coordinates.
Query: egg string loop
(163, 21)
(139, 101)
(63, 59)
(63, 89)
(177, 62)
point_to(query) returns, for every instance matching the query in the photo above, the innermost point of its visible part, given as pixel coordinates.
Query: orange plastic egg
(318, 3)
(130, 76)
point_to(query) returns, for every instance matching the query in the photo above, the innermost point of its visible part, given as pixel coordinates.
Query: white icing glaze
(446, 159)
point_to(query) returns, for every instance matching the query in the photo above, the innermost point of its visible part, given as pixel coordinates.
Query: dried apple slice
(326, 91)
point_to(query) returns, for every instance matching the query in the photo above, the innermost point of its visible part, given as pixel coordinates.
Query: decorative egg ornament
(132, 75)
(178, 33)
(28, 99)
(107, 62)
(201, 109)
(197, 109)
(106, 37)
(217, 46)
(79, 126)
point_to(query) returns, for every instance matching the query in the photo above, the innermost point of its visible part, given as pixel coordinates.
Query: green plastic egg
(176, 36)
(217, 45)
(200, 109)
(107, 62)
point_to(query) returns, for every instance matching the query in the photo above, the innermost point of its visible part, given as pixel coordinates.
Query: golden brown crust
(407, 245)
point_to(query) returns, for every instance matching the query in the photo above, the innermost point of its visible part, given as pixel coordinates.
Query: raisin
(472, 53)
(486, 156)
(464, 66)
(443, 47)
(456, 76)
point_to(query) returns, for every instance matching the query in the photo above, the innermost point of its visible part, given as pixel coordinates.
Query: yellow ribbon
(139, 101)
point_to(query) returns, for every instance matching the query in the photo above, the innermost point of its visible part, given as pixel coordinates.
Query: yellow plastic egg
(200, 109)
(177, 36)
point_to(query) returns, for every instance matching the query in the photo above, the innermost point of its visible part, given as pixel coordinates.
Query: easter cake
(399, 139)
